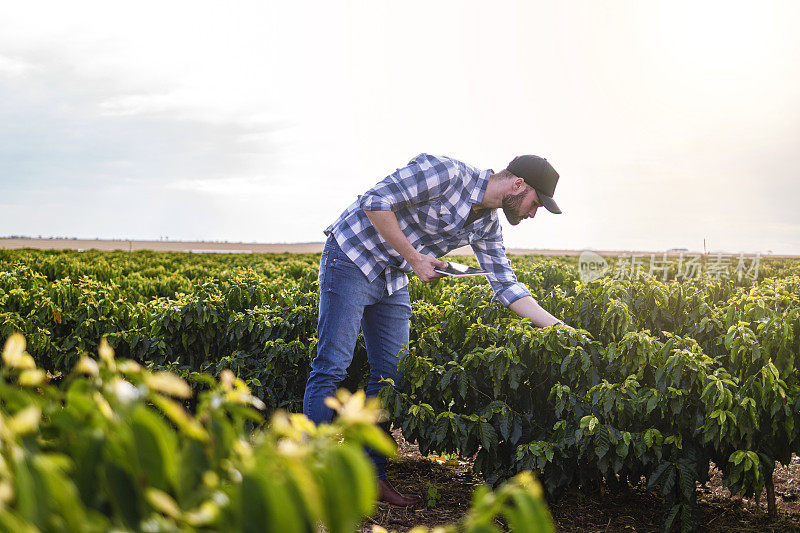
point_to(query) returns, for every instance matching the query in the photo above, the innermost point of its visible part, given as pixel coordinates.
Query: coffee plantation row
(660, 378)
(113, 449)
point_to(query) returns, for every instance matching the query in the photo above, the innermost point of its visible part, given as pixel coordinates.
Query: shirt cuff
(511, 293)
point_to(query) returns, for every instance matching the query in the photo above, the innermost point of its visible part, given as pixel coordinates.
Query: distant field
(245, 247)
(161, 246)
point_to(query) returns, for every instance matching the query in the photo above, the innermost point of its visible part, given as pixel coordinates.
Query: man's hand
(423, 267)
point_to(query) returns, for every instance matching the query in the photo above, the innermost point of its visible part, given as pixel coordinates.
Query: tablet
(459, 270)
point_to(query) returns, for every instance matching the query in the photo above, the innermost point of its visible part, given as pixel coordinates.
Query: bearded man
(403, 224)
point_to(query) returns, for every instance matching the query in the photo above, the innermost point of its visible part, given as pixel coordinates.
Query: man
(407, 220)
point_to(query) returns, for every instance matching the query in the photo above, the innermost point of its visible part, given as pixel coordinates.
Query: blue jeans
(347, 303)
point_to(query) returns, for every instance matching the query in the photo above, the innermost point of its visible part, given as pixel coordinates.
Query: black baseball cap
(540, 175)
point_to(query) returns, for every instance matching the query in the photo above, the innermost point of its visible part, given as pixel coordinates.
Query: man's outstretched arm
(527, 307)
(386, 224)
(508, 290)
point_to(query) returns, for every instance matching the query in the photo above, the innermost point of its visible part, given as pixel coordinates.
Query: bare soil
(631, 510)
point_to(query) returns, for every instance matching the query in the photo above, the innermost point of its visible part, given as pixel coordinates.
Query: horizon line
(167, 245)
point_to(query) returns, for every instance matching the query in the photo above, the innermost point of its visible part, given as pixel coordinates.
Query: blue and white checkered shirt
(432, 198)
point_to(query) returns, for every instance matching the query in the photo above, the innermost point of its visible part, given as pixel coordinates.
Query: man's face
(518, 207)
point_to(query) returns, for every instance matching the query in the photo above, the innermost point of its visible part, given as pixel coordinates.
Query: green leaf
(669, 480)
(687, 480)
(378, 440)
(670, 517)
(602, 442)
(441, 427)
(123, 496)
(505, 422)
(12, 522)
(658, 474)
(462, 384)
(178, 415)
(527, 515)
(155, 448)
(343, 484)
(622, 450)
(516, 432)
(487, 435)
(652, 437)
(88, 453)
(59, 492)
(266, 506)
(192, 463)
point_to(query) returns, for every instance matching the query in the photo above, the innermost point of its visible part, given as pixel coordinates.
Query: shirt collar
(479, 191)
(476, 197)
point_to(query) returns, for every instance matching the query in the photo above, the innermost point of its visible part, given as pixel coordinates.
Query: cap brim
(549, 203)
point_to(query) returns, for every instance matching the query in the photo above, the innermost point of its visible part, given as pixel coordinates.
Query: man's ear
(518, 185)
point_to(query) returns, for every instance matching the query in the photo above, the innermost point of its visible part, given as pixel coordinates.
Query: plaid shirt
(432, 198)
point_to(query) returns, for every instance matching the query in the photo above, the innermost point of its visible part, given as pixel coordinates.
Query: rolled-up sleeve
(491, 255)
(425, 177)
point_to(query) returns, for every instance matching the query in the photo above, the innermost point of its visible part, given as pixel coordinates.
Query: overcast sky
(669, 122)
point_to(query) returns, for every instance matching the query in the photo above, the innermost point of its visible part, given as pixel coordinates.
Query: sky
(670, 123)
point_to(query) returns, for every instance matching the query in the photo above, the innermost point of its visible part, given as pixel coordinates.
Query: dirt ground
(637, 510)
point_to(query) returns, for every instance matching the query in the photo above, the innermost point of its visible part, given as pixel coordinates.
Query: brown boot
(388, 494)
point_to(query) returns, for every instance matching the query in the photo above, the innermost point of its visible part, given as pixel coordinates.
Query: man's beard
(511, 205)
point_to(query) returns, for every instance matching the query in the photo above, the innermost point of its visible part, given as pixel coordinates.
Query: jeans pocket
(344, 278)
(338, 270)
(340, 262)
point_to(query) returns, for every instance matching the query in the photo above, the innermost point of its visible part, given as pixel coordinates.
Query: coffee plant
(114, 448)
(658, 379)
